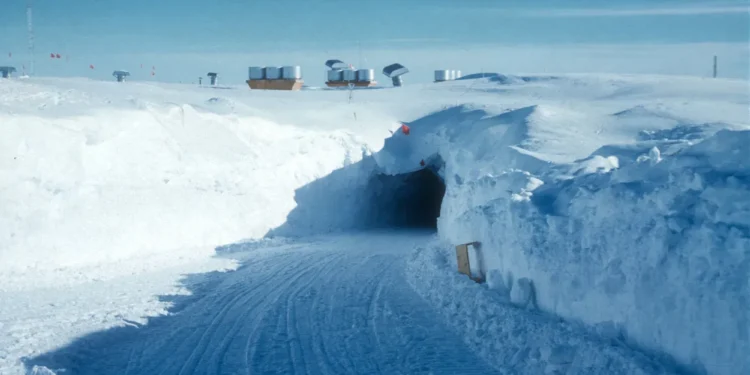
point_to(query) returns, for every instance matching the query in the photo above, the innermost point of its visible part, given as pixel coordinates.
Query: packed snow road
(334, 305)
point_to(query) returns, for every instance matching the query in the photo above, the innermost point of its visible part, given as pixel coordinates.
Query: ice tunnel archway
(361, 196)
(411, 200)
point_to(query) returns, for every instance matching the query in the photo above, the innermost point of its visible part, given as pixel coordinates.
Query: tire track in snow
(340, 305)
(251, 318)
(240, 294)
(258, 338)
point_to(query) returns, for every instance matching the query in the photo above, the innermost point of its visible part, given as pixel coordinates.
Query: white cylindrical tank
(291, 72)
(272, 72)
(335, 75)
(458, 74)
(366, 75)
(442, 75)
(255, 72)
(452, 74)
(350, 75)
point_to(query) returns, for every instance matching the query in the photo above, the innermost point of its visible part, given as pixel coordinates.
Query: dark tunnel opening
(344, 201)
(411, 200)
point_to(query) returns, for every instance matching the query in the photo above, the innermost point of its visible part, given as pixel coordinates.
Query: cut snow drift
(632, 215)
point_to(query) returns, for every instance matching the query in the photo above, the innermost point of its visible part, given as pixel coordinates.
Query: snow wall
(647, 242)
(82, 184)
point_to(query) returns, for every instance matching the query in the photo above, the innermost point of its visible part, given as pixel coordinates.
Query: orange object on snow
(405, 129)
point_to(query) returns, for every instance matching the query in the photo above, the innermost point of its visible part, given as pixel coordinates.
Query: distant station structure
(394, 72)
(7, 71)
(287, 78)
(447, 75)
(213, 78)
(120, 75)
(342, 75)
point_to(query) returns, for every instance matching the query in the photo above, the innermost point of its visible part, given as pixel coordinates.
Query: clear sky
(182, 38)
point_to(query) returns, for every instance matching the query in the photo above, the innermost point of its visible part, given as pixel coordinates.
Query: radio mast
(30, 24)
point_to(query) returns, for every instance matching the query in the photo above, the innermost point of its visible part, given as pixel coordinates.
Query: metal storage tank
(272, 72)
(335, 75)
(452, 75)
(458, 74)
(255, 72)
(291, 72)
(350, 75)
(442, 75)
(366, 75)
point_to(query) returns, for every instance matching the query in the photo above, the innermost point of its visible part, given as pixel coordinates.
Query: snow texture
(510, 337)
(325, 305)
(625, 204)
(618, 204)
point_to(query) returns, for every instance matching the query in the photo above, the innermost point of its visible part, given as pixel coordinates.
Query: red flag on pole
(405, 129)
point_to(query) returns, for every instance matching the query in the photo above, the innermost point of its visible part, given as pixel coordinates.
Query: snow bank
(659, 249)
(86, 178)
(635, 221)
(514, 339)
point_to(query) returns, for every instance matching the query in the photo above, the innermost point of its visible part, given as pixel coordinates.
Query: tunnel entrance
(411, 200)
(358, 197)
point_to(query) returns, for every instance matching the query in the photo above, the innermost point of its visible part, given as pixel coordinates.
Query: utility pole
(29, 5)
(716, 65)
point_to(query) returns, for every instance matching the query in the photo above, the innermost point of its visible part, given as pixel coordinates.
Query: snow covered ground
(620, 203)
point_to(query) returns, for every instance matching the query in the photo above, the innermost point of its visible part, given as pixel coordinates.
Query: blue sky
(185, 37)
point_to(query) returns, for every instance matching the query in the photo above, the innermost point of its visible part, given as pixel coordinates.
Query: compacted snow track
(336, 305)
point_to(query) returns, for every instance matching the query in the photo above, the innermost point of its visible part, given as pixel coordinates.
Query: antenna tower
(29, 5)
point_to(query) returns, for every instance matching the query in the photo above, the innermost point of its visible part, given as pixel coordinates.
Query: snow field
(618, 202)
